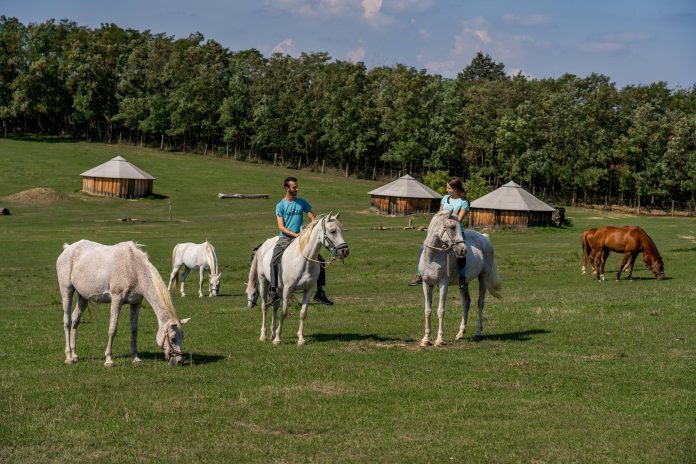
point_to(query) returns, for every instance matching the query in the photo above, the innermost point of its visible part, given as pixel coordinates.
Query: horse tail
(584, 244)
(492, 280)
(176, 276)
(253, 280)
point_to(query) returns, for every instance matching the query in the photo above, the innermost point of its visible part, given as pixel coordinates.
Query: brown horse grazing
(630, 241)
(588, 253)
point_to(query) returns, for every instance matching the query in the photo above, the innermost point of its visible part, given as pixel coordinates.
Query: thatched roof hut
(404, 196)
(117, 178)
(509, 206)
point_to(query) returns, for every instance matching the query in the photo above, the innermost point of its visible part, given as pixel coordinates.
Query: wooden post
(299, 163)
(638, 205)
(672, 207)
(346, 169)
(322, 165)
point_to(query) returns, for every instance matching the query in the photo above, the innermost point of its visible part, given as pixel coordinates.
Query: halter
(329, 245)
(167, 354)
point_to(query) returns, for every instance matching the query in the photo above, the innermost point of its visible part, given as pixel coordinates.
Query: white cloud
(530, 20)
(371, 9)
(447, 68)
(356, 55)
(286, 47)
(422, 32)
(613, 43)
(316, 8)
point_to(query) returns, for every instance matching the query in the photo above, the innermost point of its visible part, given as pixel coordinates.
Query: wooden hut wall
(124, 188)
(501, 218)
(398, 206)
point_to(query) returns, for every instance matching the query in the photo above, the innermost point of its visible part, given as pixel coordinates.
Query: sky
(633, 42)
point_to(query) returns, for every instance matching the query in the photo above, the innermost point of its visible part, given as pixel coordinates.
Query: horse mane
(652, 243)
(157, 281)
(212, 258)
(306, 233)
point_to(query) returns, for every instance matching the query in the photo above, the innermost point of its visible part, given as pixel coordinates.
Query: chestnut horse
(630, 241)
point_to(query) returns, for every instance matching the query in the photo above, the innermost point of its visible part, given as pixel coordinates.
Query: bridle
(329, 245)
(172, 350)
(453, 241)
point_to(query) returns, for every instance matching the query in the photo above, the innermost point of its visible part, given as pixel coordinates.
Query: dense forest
(570, 138)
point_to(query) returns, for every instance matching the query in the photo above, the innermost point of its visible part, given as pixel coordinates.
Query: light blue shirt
(292, 213)
(455, 205)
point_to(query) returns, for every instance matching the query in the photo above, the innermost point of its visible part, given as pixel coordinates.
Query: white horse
(438, 264)
(199, 256)
(299, 270)
(118, 274)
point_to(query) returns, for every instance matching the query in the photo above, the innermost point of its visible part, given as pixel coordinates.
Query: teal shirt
(455, 205)
(292, 213)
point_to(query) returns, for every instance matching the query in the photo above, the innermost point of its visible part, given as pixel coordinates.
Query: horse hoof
(262, 338)
(459, 336)
(69, 361)
(300, 342)
(137, 362)
(440, 343)
(425, 342)
(276, 341)
(109, 364)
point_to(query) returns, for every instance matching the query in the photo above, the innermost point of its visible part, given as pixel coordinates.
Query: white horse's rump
(118, 274)
(199, 256)
(299, 270)
(438, 266)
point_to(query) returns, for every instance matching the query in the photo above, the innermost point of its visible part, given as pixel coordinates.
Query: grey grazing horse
(118, 274)
(438, 264)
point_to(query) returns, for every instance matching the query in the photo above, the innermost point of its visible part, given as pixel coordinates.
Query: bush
(437, 180)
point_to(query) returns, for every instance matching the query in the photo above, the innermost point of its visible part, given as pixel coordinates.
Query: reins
(333, 249)
(449, 246)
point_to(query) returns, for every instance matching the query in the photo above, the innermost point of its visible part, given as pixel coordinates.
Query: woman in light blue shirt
(454, 201)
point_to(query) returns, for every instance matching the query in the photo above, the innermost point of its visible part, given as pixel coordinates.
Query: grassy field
(569, 370)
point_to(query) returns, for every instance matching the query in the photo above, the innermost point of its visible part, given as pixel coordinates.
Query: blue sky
(632, 42)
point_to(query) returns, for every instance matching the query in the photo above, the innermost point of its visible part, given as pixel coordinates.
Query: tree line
(570, 137)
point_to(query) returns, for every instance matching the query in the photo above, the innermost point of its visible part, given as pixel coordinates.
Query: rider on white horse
(290, 216)
(454, 201)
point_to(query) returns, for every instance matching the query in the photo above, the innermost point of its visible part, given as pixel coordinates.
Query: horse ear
(330, 213)
(184, 321)
(337, 214)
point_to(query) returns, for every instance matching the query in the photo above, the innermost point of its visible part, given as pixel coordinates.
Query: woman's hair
(456, 184)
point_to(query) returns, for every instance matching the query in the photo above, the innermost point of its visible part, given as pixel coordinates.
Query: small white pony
(118, 274)
(438, 264)
(199, 256)
(299, 270)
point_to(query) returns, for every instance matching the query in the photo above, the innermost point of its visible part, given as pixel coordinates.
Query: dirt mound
(40, 195)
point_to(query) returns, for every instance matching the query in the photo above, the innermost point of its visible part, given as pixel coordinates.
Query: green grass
(570, 370)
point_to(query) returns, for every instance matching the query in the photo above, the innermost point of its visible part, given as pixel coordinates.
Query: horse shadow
(522, 336)
(189, 358)
(351, 337)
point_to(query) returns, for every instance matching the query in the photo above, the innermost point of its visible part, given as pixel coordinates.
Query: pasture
(569, 369)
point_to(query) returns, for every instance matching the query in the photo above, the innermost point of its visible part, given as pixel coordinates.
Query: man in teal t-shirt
(290, 216)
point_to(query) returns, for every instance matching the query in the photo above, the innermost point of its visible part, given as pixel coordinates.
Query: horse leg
(264, 310)
(630, 265)
(602, 261)
(134, 312)
(624, 261)
(184, 275)
(592, 258)
(481, 302)
(67, 294)
(428, 293)
(466, 304)
(76, 316)
(172, 276)
(116, 303)
(303, 315)
(441, 314)
(200, 281)
(283, 314)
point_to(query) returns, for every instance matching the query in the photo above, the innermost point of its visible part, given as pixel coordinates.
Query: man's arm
(311, 215)
(283, 229)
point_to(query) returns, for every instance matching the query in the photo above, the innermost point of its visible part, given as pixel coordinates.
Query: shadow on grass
(352, 337)
(189, 358)
(522, 336)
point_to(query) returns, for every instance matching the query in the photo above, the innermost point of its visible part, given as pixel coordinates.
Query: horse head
(656, 265)
(445, 233)
(170, 338)
(214, 284)
(332, 236)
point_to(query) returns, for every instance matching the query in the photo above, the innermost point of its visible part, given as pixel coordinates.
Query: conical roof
(511, 197)
(117, 168)
(405, 187)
